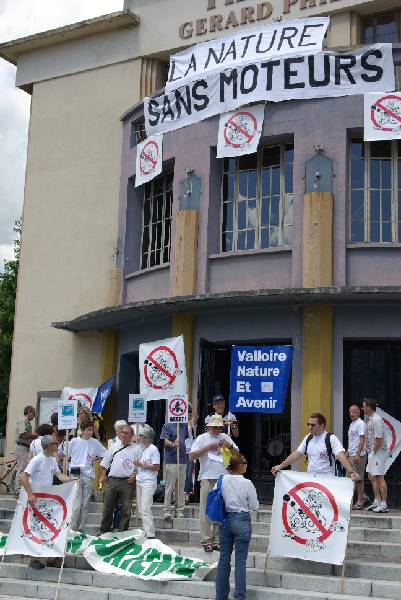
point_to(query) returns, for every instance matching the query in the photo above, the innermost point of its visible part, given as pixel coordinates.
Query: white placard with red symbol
(84, 396)
(382, 116)
(177, 408)
(149, 159)
(41, 529)
(393, 430)
(310, 517)
(240, 131)
(162, 368)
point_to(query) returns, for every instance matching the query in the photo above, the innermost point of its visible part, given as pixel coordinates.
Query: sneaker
(180, 515)
(382, 508)
(167, 517)
(357, 506)
(372, 506)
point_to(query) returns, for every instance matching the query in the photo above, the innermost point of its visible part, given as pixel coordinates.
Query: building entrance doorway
(265, 439)
(372, 369)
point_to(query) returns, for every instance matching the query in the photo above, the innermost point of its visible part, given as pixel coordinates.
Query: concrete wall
(70, 227)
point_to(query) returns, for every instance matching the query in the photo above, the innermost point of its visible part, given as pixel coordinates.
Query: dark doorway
(372, 369)
(265, 439)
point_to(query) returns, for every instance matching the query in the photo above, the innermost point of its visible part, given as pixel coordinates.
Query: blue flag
(103, 392)
(259, 378)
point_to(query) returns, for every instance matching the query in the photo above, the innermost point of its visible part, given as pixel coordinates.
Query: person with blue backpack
(237, 498)
(323, 451)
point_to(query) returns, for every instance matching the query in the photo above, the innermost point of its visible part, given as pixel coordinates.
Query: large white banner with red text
(162, 368)
(41, 528)
(393, 430)
(310, 517)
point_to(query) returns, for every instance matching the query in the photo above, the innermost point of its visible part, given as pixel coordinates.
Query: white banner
(382, 116)
(298, 37)
(177, 408)
(41, 529)
(149, 159)
(393, 430)
(137, 408)
(162, 368)
(240, 131)
(310, 517)
(328, 74)
(84, 396)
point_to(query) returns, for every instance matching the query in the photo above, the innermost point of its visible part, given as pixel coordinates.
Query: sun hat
(215, 421)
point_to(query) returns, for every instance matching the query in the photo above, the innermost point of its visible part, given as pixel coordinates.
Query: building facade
(298, 243)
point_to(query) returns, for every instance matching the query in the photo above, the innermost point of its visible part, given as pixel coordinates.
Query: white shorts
(377, 463)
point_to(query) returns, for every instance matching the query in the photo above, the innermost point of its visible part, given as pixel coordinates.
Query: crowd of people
(131, 463)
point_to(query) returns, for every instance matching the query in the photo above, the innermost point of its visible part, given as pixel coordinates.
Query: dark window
(375, 191)
(138, 133)
(156, 221)
(382, 28)
(257, 199)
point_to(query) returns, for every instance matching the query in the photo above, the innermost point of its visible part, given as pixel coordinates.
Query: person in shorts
(376, 448)
(357, 452)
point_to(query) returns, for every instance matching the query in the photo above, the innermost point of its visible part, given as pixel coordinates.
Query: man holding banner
(320, 447)
(174, 436)
(376, 447)
(40, 472)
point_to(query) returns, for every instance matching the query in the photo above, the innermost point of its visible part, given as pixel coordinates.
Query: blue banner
(103, 393)
(259, 378)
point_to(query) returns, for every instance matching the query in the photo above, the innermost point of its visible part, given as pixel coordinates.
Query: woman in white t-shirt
(148, 464)
(239, 498)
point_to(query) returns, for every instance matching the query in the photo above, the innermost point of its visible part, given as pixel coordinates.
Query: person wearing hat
(229, 419)
(40, 472)
(148, 464)
(207, 448)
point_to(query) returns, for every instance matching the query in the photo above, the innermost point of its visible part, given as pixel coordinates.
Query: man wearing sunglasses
(315, 447)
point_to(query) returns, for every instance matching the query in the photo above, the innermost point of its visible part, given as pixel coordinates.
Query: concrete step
(18, 580)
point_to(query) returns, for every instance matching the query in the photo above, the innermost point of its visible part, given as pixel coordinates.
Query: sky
(19, 18)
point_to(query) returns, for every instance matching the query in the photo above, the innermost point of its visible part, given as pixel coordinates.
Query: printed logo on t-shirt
(90, 458)
(323, 455)
(127, 464)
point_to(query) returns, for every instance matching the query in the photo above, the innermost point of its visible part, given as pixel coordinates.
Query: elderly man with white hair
(118, 469)
(148, 464)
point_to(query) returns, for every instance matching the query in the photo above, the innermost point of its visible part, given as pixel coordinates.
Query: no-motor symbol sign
(177, 409)
(240, 129)
(44, 520)
(161, 368)
(149, 157)
(385, 113)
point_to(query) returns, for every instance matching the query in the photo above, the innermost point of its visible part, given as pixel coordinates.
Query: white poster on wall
(382, 116)
(298, 37)
(310, 517)
(162, 368)
(324, 75)
(149, 159)
(240, 131)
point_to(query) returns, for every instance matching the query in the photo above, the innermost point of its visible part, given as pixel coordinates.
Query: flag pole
(65, 546)
(65, 466)
(177, 500)
(136, 497)
(345, 553)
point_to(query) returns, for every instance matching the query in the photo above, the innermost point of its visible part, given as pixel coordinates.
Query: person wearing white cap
(207, 448)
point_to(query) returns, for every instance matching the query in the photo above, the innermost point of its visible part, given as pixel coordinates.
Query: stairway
(373, 565)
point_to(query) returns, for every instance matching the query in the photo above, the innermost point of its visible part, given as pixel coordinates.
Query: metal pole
(177, 500)
(65, 466)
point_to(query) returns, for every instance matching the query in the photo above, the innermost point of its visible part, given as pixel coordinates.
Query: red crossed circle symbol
(55, 530)
(148, 158)
(84, 399)
(393, 434)
(177, 406)
(243, 125)
(393, 117)
(325, 532)
(155, 361)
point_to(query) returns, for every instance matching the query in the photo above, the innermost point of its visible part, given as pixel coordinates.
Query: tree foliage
(8, 288)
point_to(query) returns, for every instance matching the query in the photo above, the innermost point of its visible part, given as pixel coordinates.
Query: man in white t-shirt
(82, 452)
(148, 464)
(207, 448)
(40, 472)
(376, 448)
(119, 471)
(315, 447)
(356, 451)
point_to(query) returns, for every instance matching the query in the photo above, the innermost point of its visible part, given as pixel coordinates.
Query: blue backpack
(215, 507)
